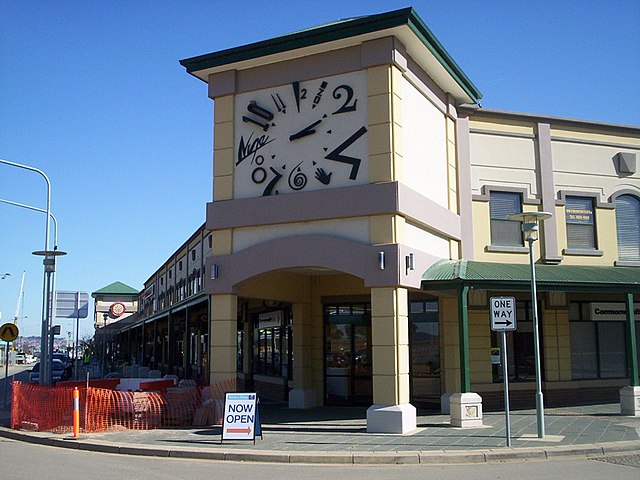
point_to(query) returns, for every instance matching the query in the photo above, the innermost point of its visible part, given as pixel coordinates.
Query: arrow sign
(8, 332)
(503, 314)
(240, 415)
(246, 431)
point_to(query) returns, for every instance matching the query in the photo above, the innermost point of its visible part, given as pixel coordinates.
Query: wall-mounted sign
(117, 309)
(613, 312)
(270, 319)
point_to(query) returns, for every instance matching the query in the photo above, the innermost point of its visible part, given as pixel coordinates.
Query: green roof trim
(339, 30)
(447, 274)
(116, 288)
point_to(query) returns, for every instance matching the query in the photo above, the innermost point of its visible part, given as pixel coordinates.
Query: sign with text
(503, 314)
(240, 416)
(616, 312)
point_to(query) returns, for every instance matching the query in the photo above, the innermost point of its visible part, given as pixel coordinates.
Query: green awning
(448, 274)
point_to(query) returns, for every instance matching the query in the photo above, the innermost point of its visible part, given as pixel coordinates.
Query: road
(20, 460)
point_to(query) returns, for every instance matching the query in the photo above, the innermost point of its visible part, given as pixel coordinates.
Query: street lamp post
(530, 223)
(44, 333)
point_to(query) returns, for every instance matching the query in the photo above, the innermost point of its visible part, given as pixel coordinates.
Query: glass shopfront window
(598, 340)
(424, 360)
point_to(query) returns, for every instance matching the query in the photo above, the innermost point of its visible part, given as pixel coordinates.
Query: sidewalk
(338, 435)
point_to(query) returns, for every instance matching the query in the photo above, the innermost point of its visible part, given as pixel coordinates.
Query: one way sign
(503, 314)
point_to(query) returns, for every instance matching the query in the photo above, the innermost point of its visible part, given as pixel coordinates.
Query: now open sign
(240, 415)
(503, 314)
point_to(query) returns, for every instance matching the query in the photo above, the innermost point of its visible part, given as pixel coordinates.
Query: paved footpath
(338, 435)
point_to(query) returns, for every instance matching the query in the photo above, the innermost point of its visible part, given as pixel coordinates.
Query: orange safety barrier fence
(50, 408)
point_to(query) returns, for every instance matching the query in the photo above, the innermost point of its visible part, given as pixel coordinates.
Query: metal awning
(451, 274)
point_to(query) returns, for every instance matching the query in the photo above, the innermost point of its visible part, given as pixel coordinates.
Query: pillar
(223, 348)
(303, 394)
(630, 395)
(391, 411)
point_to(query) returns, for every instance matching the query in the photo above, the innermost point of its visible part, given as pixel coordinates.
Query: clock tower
(336, 183)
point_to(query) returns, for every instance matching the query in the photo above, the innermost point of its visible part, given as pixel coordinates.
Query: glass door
(348, 370)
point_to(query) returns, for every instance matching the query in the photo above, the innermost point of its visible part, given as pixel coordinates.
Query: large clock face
(301, 136)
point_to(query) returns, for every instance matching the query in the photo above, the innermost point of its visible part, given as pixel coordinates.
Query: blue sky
(92, 93)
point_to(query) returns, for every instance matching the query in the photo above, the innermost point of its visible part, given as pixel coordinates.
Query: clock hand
(305, 131)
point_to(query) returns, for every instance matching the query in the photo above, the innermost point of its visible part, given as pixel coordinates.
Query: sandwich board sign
(241, 420)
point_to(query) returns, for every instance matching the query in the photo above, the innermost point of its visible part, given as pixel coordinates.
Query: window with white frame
(505, 232)
(628, 227)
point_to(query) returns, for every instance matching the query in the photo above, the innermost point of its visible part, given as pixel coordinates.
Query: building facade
(359, 226)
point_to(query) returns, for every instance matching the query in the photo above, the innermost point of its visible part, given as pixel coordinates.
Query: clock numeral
(272, 184)
(279, 103)
(347, 106)
(299, 93)
(249, 147)
(297, 179)
(260, 112)
(336, 154)
(318, 97)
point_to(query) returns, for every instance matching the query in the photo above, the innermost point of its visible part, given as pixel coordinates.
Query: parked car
(63, 357)
(59, 372)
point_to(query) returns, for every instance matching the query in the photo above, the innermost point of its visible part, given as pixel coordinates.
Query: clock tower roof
(404, 24)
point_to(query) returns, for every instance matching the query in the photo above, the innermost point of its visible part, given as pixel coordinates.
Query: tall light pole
(530, 223)
(46, 293)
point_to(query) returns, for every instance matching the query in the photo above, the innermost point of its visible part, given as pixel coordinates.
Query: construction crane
(15, 317)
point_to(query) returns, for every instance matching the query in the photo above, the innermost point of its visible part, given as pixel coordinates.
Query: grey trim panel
(464, 186)
(594, 142)
(563, 194)
(582, 252)
(480, 131)
(626, 263)
(626, 191)
(506, 249)
(530, 117)
(338, 203)
(319, 251)
(547, 190)
(486, 190)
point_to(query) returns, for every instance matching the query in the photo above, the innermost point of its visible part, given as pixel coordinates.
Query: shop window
(505, 232)
(597, 347)
(580, 219)
(628, 227)
(520, 348)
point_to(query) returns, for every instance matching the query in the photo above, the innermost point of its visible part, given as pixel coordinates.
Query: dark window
(505, 232)
(520, 348)
(628, 227)
(180, 265)
(193, 255)
(580, 220)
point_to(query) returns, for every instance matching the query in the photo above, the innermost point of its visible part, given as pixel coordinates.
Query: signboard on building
(613, 312)
(241, 417)
(503, 314)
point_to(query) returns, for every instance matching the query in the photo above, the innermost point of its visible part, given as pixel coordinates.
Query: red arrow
(239, 430)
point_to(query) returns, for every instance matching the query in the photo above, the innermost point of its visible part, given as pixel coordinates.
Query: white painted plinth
(302, 398)
(466, 410)
(445, 407)
(630, 401)
(391, 418)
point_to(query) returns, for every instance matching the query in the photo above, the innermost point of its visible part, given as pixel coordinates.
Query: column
(630, 395)
(391, 411)
(224, 330)
(303, 394)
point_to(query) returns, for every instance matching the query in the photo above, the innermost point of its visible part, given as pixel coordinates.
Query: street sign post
(8, 333)
(503, 320)
(73, 304)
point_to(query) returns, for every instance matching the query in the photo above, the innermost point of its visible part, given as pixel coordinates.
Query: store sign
(270, 319)
(579, 216)
(616, 312)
